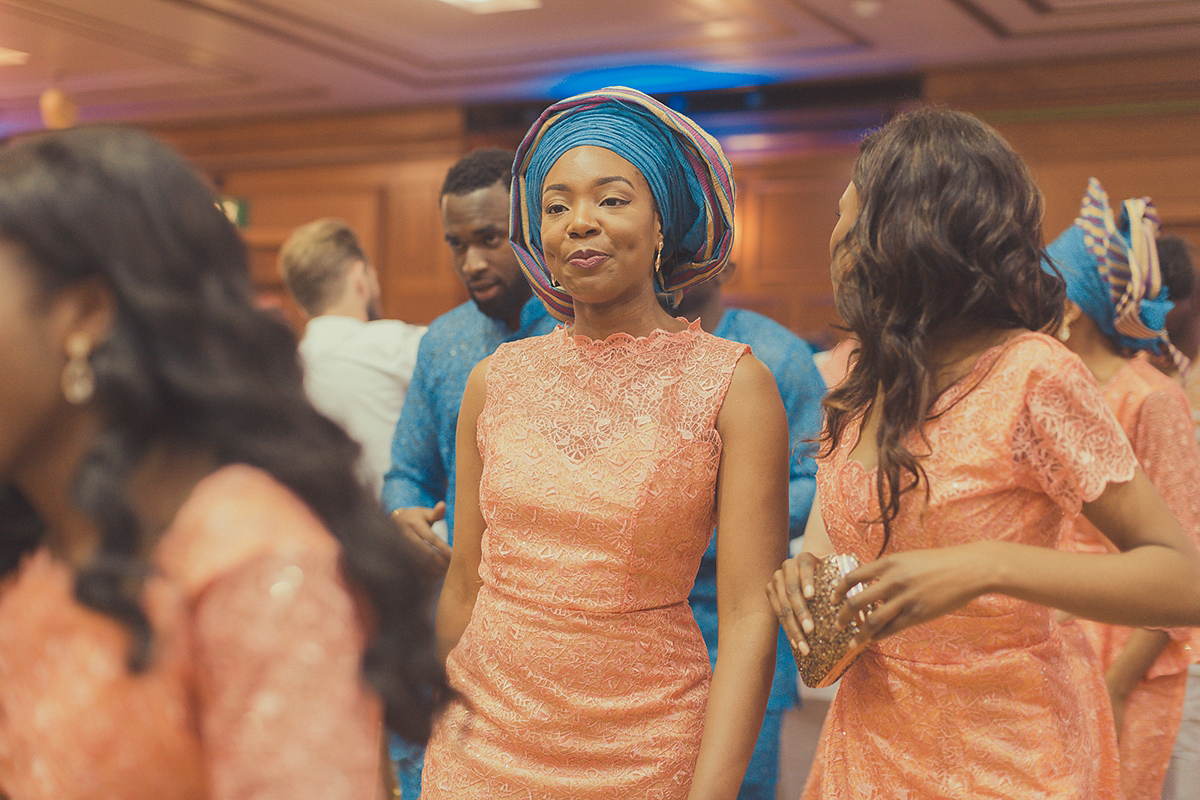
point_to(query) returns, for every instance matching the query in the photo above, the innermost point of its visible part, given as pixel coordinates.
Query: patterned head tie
(688, 174)
(1111, 268)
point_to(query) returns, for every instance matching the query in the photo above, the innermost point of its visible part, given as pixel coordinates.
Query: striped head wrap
(687, 172)
(1111, 268)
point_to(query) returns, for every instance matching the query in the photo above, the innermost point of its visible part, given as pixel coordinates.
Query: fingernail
(804, 648)
(807, 625)
(808, 590)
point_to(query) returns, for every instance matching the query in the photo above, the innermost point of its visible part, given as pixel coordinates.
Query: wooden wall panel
(1173, 183)
(381, 172)
(786, 211)
(393, 206)
(272, 217)
(1133, 123)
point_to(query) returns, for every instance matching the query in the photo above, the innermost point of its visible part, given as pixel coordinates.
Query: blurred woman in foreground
(199, 600)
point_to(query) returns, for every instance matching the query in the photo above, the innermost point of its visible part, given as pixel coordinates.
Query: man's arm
(801, 388)
(414, 489)
(417, 477)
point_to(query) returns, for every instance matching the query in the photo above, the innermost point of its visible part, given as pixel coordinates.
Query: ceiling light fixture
(866, 8)
(12, 58)
(494, 6)
(58, 109)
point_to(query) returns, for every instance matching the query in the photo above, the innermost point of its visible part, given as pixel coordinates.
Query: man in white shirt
(356, 366)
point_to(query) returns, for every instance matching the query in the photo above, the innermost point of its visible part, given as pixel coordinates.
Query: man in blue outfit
(419, 487)
(790, 360)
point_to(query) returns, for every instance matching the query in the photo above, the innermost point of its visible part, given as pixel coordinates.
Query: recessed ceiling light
(10, 58)
(494, 6)
(866, 8)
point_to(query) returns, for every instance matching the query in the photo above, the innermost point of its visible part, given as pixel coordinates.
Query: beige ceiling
(200, 59)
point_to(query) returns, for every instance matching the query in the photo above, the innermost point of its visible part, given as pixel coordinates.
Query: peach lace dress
(581, 673)
(1154, 412)
(980, 703)
(254, 689)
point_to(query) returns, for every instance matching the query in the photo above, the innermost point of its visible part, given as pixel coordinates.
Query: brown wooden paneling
(1133, 123)
(382, 173)
(273, 216)
(218, 147)
(786, 211)
(1064, 85)
(393, 207)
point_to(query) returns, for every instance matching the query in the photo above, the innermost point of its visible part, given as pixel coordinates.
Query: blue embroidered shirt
(422, 471)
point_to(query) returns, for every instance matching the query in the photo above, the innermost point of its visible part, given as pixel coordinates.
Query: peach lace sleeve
(1066, 441)
(1170, 456)
(1168, 453)
(283, 711)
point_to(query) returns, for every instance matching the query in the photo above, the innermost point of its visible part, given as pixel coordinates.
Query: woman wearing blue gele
(1120, 287)
(593, 463)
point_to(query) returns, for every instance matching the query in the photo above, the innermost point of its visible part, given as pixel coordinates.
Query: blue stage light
(656, 79)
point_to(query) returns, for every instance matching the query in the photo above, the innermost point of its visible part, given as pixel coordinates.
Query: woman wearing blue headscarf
(592, 465)
(1119, 292)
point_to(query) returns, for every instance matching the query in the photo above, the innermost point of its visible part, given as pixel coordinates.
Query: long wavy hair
(190, 360)
(948, 241)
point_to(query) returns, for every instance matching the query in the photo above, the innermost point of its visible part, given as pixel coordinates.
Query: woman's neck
(954, 351)
(155, 491)
(46, 479)
(1095, 348)
(163, 481)
(638, 317)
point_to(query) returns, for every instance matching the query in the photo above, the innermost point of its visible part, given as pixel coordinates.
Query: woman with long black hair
(956, 453)
(198, 598)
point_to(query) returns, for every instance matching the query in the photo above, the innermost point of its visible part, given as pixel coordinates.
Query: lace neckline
(622, 339)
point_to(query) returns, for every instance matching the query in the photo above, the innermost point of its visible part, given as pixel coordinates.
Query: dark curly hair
(948, 241)
(191, 361)
(1175, 261)
(479, 169)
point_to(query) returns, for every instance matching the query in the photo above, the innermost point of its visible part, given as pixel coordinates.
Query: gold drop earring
(1072, 313)
(78, 379)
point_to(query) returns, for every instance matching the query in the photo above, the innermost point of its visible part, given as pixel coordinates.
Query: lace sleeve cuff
(1066, 442)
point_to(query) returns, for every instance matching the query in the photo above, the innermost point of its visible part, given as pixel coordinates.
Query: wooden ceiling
(160, 60)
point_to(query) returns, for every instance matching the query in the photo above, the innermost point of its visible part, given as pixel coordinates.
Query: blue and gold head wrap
(687, 172)
(1110, 264)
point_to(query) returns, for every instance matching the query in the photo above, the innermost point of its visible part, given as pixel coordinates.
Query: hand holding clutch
(828, 648)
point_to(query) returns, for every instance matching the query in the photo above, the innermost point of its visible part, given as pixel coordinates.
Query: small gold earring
(658, 265)
(1069, 316)
(78, 379)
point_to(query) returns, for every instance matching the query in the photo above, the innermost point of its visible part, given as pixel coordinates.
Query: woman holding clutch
(956, 453)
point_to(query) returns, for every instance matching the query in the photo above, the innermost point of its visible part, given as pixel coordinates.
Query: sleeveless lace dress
(985, 702)
(582, 673)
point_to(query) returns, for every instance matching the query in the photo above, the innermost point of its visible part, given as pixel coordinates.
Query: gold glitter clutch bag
(829, 652)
